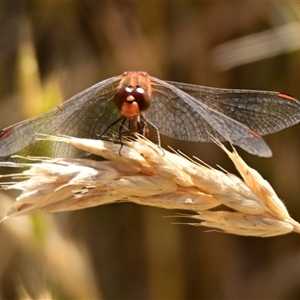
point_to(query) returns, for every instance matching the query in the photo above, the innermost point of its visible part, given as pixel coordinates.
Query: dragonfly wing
(263, 111)
(22, 135)
(175, 118)
(237, 133)
(85, 115)
(179, 115)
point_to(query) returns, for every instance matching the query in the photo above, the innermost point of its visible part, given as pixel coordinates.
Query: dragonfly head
(133, 95)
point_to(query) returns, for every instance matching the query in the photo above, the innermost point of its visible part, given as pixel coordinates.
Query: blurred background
(50, 51)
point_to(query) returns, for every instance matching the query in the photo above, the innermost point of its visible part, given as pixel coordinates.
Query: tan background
(52, 50)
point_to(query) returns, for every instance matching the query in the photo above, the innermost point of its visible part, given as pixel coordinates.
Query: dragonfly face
(132, 99)
(178, 110)
(133, 94)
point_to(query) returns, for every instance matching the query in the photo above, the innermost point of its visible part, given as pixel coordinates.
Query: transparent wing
(262, 111)
(182, 111)
(85, 115)
(179, 115)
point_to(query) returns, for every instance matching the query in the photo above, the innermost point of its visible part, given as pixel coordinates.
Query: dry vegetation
(144, 173)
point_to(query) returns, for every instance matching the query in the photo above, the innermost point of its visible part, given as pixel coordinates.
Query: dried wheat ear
(146, 174)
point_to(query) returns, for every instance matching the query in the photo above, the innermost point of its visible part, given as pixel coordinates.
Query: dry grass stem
(145, 174)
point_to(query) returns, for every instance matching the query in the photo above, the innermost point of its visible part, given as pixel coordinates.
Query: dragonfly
(178, 110)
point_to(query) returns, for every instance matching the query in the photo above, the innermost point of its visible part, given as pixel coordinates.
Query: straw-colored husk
(146, 174)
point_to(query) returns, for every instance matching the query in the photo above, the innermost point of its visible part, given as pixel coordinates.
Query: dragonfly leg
(134, 125)
(141, 126)
(112, 125)
(122, 133)
(146, 121)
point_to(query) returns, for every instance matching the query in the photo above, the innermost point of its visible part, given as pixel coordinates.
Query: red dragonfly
(178, 110)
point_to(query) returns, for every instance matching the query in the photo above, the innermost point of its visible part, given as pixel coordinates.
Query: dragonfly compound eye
(137, 96)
